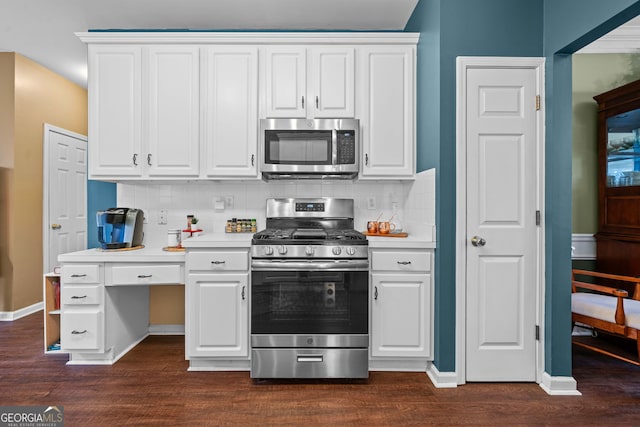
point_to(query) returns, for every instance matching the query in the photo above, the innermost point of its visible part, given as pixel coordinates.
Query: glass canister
(174, 238)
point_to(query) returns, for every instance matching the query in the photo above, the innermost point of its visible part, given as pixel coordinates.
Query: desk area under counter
(105, 299)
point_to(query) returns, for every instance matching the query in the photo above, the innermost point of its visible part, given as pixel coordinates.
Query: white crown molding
(625, 39)
(204, 37)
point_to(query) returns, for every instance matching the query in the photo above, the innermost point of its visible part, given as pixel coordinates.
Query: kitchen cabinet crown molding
(256, 38)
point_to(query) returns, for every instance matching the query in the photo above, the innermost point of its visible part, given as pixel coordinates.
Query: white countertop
(227, 240)
(409, 242)
(224, 240)
(137, 255)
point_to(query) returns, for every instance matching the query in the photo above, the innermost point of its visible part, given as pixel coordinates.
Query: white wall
(416, 202)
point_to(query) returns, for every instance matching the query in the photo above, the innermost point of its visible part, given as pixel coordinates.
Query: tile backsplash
(414, 202)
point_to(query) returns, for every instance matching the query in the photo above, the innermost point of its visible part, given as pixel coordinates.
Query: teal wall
(100, 195)
(452, 28)
(550, 28)
(568, 26)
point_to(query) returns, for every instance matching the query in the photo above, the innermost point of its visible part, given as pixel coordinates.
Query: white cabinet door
(400, 320)
(115, 136)
(217, 319)
(387, 78)
(331, 89)
(285, 81)
(230, 141)
(172, 103)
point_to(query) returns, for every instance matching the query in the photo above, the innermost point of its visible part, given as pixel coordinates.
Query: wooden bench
(606, 308)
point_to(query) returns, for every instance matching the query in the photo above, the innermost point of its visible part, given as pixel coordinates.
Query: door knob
(478, 241)
(56, 226)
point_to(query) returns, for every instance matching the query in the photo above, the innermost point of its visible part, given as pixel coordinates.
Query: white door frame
(462, 65)
(46, 220)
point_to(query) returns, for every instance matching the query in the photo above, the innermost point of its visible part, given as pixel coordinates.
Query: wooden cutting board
(366, 233)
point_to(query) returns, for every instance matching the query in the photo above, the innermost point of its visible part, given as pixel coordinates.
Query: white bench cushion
(603, 307)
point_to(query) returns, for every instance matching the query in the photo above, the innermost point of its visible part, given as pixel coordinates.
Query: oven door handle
(310, 265)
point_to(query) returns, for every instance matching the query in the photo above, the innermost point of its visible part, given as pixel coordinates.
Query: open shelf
(51, 312)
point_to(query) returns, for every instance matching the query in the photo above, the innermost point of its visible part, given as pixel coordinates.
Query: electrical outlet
(162, 216)
(371, 202)
(228, 201)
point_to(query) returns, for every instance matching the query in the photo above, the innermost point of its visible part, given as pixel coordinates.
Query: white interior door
(502, 235)
(65, 194)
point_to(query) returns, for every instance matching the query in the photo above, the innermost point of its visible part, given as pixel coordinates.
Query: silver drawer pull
(74, 332)
(78, 297)
(217, 262)
(306, 358)
(404, 262)
(78, 275)
(144, 276)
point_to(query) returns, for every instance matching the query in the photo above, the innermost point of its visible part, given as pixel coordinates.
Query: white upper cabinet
(309, 82)
(115, 112)
(387, 111)
(173, 107)
(230, 111)
(145, 130)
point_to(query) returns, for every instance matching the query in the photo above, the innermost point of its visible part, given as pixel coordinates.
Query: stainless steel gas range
(309, 292)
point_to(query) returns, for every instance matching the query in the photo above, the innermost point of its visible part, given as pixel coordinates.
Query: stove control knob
(268, 250)
(351, 251)
(282, 249)
(309, 250)
(336, 250)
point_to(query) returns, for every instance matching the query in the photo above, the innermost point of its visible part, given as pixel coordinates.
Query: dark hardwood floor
(151, 385)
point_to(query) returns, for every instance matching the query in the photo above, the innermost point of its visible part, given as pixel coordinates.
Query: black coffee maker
(120, 228)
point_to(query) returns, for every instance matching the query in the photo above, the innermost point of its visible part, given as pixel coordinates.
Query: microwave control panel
(346, 147)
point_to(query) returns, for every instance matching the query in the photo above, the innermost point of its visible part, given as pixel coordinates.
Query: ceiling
(43, 30)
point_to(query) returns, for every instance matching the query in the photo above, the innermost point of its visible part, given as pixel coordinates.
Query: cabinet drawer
(81, 273)
(81, 295)
(218, 260)
(82, 331)
(400, 261)
(144, 274)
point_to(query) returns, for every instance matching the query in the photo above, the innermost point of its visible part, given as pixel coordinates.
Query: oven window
(298, 148)
(298, 302)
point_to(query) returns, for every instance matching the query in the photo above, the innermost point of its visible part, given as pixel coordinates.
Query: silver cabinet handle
(302, 101)
(78, 275)
(243, 289)
(366, 159)
(135, 159)
(56, 226)
(478, 241)
(252, 159)
(78, 297)
(144, 276)
(375, 293)
(74, 332)
(404, 262)
(149, 159)
(217, 262)
(316, 101)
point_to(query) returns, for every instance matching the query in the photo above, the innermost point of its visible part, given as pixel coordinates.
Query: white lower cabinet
(218, 315)
(82, 308)
(401, 307)
(217, 309)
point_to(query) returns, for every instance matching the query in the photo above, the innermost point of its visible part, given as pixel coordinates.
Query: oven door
(308, 303)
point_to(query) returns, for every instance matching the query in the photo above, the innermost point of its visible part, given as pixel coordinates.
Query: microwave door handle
(334, 147)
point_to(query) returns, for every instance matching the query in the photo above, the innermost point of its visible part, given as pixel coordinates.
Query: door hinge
(537, 102)
(538, 218)
(537, 333)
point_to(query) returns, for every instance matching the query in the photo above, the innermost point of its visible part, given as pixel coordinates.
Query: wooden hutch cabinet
(618, 237)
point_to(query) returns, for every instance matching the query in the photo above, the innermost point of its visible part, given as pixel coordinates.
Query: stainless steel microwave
(309, 148)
